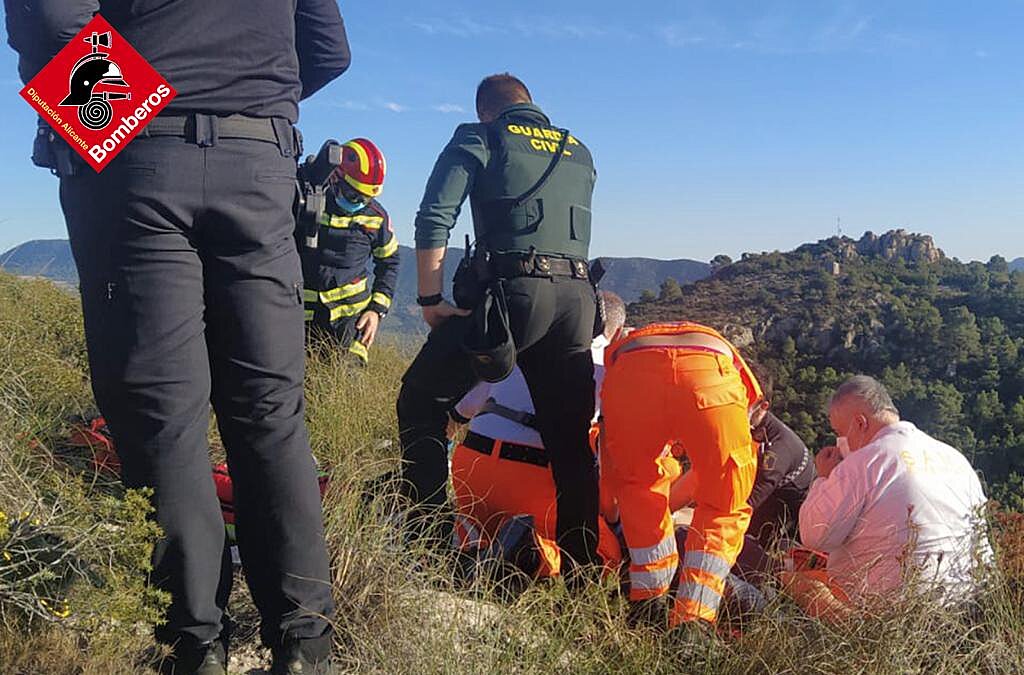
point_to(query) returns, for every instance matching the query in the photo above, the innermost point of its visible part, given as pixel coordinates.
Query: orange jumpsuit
(489, 489)
(660, 401)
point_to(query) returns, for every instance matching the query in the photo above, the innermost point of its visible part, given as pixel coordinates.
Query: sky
(717, 126)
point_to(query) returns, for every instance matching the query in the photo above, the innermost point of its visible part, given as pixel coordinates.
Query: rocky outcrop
(893, 245)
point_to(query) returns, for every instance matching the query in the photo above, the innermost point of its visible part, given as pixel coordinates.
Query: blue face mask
(347, 206)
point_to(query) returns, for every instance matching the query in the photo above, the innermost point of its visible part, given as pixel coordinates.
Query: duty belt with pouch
(533, 264)
(51, 152)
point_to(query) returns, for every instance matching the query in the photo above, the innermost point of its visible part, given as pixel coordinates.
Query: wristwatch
(429, 300)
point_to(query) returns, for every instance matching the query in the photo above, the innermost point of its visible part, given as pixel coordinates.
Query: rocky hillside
(893, 245)
(944, 335)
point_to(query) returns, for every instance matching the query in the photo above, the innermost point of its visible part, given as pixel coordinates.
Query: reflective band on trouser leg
(652, 568)
(466, 535)
(308, 314)
(702, 584)
(359, 349)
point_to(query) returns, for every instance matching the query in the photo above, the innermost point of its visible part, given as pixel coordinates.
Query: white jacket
(906, 504)
(512, 392)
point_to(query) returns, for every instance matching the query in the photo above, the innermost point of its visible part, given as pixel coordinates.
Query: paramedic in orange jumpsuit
(674, 389)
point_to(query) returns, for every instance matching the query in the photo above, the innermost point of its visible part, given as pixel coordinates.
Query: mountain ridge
(629, 277)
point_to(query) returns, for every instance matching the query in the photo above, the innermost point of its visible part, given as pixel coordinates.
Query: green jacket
(497, 162)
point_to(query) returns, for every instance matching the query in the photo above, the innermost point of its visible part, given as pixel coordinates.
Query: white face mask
(843, 443)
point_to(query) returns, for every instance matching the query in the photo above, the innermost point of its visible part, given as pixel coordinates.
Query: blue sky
(716, 126)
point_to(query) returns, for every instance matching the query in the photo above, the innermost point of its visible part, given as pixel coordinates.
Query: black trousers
(552, 322)
(192, 294)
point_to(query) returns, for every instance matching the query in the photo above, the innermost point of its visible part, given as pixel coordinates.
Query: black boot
(303, 657)
(208, 658)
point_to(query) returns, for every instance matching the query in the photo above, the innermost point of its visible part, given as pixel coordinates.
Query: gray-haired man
(893, 507)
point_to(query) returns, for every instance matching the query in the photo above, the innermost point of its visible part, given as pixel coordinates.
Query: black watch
(429, 300)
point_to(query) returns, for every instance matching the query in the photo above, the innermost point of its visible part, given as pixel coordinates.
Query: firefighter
(674, 389)
(529, 185)
(340, 301)
(191, 291)
(501, 469)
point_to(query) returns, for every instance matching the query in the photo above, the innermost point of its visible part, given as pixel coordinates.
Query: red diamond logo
(98, 93)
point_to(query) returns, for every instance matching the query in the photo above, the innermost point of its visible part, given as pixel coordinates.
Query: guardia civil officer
(531, 215)
(192, 293)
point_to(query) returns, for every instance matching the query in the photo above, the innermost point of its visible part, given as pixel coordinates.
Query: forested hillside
(943, 335)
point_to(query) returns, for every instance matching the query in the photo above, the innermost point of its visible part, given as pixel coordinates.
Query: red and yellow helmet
(362, 167)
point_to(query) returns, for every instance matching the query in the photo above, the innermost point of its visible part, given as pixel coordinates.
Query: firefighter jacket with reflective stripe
(336, 271)
(497, 162)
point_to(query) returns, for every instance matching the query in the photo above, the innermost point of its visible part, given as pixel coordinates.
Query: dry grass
(398, 610)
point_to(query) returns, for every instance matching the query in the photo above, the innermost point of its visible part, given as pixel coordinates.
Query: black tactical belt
(511, 265)
(206, 130)
(506, 450)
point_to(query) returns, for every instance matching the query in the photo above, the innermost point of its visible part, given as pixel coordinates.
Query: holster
(51, 152)
(472, 278)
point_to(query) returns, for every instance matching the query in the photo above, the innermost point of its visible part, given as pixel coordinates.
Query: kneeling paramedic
(529, 185)
(341, 304)
(674, 389)
(501, 475)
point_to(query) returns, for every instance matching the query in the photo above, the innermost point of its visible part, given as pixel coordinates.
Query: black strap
(518, 416)
(542, 181)
(515, 452)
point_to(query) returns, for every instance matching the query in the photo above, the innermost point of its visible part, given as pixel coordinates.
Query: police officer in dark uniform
(785, 471)
(536, 243)
(192, 293)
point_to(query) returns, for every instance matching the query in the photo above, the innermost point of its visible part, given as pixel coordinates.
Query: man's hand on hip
(437, 314)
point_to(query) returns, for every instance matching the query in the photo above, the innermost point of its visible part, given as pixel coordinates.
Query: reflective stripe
(368, 222)
(310, 295)
(381, 299)
(348, 310)
(308, 315)
(691, 590)
(359, 349)
(342, 292)
(652, 580)
(387, 250)
(691, 610)
(345, 222)
(465, 534)
(709, 562)
(652, 554)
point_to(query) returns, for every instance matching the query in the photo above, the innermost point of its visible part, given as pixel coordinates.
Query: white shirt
(905, 504)
(512, 392)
